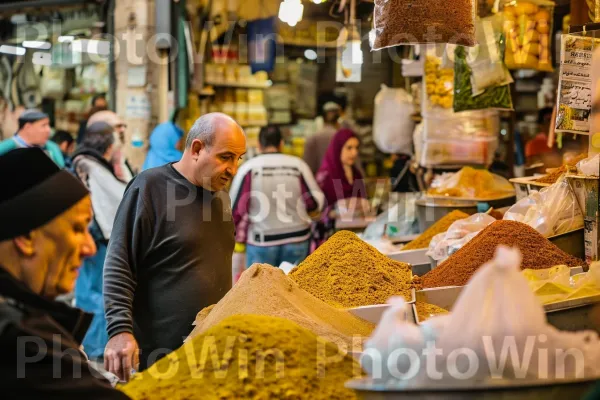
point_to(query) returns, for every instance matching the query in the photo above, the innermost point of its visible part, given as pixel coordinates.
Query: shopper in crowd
(92, 166)
(43, 241)
(164, 145)
(99, 103)
(273, 195)
(34, 131)
(122, 168)
(170, 253)
(316, 145)
(339, 179)
(65, 142)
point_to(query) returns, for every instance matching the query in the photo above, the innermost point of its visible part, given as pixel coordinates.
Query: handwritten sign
(575, 84)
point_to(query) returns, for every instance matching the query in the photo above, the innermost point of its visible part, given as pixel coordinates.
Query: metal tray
(416, 258)
(532, 389)
(373, 313)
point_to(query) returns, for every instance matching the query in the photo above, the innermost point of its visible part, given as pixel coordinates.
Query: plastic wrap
(417, 21)
(392, 123)
(528, 32)
(551, 211)
(460, 233)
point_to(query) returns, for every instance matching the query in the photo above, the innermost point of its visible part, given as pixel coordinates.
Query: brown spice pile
(537, 251)
(249, 357)
(426, 310)
(419, 21)
(555, 175)
(347, 272)
(422, 241)
(266, 290)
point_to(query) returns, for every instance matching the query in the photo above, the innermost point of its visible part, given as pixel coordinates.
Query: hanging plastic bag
(481, 80)
(460, 233)
(394, 331)
(551, 211)
(589, 166)
(417, 21)
(392, 123)
(528, 32)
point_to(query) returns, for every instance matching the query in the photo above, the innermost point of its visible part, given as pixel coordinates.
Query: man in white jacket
(92, 166)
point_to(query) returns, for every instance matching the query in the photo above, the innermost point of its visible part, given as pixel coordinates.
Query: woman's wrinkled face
(350, 152)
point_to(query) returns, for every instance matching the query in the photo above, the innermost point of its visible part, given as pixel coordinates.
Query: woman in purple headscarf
(339, 179)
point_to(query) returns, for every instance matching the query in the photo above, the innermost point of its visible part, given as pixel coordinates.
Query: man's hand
(121, 355)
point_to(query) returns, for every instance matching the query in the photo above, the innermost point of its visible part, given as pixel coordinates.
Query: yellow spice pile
(422, 241)
(426, 310)
(249, 357)
(347, 272)
(266, 290)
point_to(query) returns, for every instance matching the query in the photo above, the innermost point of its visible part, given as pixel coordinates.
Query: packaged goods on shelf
(528, 32)
(409, 21)
(347, 272)
(262, 358)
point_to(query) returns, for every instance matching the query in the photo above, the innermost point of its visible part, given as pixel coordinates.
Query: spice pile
(249, 357)
(471, 183)
(441, 226)
(266, 290)
(568, 167)
(426, 310)
(538, 253)
(347, 272)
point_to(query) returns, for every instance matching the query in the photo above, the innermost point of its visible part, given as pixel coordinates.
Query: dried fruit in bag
(418, 21)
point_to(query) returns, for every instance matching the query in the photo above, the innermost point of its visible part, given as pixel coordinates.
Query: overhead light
(36, 44)
(319, 1)
(65, 39)
(14, 50)
(310, 54)
(92, 46)
(290, 11)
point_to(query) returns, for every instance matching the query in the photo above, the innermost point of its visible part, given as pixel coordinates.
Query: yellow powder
(422, 241)
(249, 357)
(426, 310)
(266, 290)
(347, 272)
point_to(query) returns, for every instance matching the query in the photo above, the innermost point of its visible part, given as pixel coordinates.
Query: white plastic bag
(392, 123)
(551, 211)
(400, 219)
(393, 332)
(589, 166)
(460, 233)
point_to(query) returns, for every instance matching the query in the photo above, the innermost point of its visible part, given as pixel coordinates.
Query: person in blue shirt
(34, 131)
(164, 141)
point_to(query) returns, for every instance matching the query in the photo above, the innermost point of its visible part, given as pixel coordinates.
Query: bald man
(171, 247)
(123, 170)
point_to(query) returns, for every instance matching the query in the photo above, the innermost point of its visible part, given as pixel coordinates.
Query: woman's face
(350, 152)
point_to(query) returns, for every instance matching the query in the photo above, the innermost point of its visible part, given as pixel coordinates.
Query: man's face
(100, 102)
(57, 250)
(38, 132)
(219, 163)
(120, 128)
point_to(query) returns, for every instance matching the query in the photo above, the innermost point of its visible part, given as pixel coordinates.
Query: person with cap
(34, 131)
(316, 145)
(120, 163)
(40, 255)
(171, 248)
(91, 164)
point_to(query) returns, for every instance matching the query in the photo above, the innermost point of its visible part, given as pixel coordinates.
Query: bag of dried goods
(505, 317)
(417, 21)
(481, 80)
(460, 232)
(392, 124)
(551, 211)
(439, 83)
(528, 30)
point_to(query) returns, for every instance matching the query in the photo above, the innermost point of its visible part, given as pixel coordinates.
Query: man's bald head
(110, 117)
(205, 128)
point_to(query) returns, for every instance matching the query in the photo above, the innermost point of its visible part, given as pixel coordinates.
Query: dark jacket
(39, 344)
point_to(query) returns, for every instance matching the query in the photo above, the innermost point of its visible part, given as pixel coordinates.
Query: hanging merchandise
(575, 84)
(439, 82)
(417, 21)
(528, 32)
(594, 10)
(262, 44)
(349, 55)
(392, 123)
(481, 80)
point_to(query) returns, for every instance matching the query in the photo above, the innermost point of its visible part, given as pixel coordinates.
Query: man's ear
(197, 146)
(24, 244)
